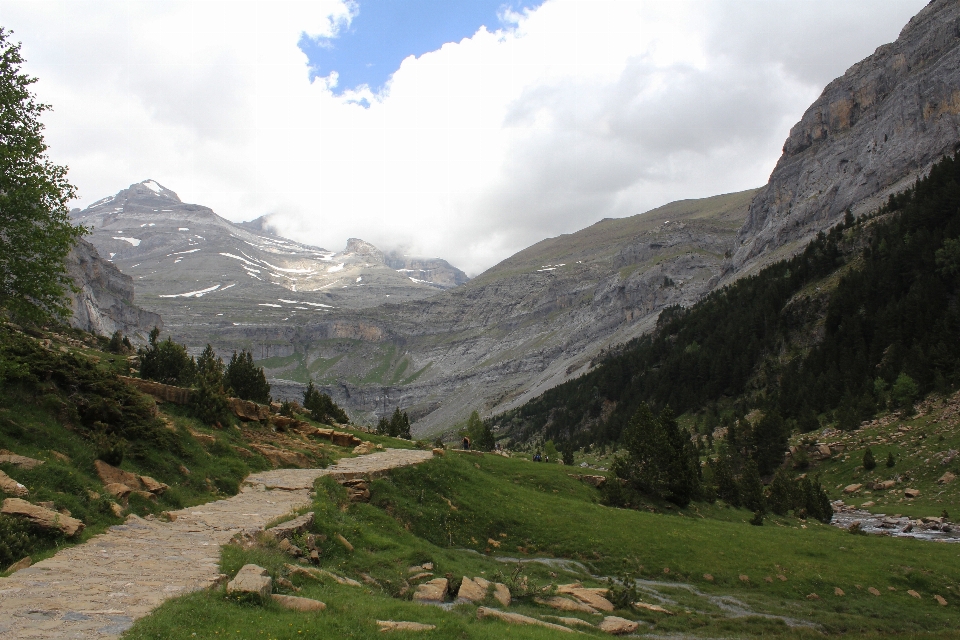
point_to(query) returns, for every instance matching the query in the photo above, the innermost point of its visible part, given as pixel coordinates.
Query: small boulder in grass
(617, 626)
(296, 603)
(708, 577)
(251, 581)
(837, 591)
(812, 596)
(873, 591)
(403, 625)
(911, 592)
(940, 600)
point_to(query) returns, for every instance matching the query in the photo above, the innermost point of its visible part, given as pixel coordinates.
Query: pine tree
(869, 463)
(322, 408)
(166, 362)
(751, 488)
(35, 229)
(400, 425)
(781, 498)
(891, 461)
(209, 399)
(246, 379)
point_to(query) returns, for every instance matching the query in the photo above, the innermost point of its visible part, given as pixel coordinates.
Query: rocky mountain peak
(365, 249)
(871, 132)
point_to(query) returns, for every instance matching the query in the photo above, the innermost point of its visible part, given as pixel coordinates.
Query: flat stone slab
(432, 592)
(295, 603)
(516, 618)
(402, 625)
(251, 580)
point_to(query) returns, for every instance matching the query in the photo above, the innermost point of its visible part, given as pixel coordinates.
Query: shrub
(904, 392)
(869, 463)
(246, 379)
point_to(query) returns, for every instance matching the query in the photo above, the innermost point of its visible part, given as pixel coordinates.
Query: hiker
(466, 443)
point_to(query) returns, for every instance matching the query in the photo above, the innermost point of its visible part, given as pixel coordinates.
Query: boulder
(342, 439)
(852, 488)
(112, 475)
(364, 448)
(116, 509)
(290, 549)
(346, 543)
(588, 597)
(11, 487)
(946, 478)
(565, 604)
(248, 410)
(251, 580)
(282, 457)
(23, 462)
(118, 490)
(41, 517)
(153, 486)
(617, 626)
(913, 593)
(432, 592)
(885, 485)
(516, 618)
(437, 451)
(873, 591)
(358, 490)
(350, 582)
(401, 625)
(911, 493)
(290, 528)
(652, 607)
(296, 603)
(20, 564)
(471, 591)
(162, 392)
(837, 591)
(940, 600)
(824, 450)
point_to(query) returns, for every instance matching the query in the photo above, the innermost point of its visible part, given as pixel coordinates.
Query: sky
(465, 129)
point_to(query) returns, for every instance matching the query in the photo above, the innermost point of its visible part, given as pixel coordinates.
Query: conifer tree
(209, 399)
(869, 463)
(166, 361)
(322, 408)
(246, 379)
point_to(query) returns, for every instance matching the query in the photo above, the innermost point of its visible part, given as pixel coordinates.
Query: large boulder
(42, 517)
(617, 626)
(432, 592)
(111, 475)
(295, 603)
(587, 596)
(251, 580)
(11, 487)
(282, 457)
(471, 591)
(516, 618)
(286, 530)
(248, 410)
(8, 457)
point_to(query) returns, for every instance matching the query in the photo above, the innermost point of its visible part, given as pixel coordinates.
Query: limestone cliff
(870, 133)
(104, 303)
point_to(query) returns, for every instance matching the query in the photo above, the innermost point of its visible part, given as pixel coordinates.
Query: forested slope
(866, 315)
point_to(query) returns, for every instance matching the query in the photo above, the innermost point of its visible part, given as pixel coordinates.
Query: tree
(770, 440)
(891, 461)
(869, 463)
(481, 437)
(567, 453)
(166, 362)
(246, 379)
(35, 229)
(209, 399)
(904, 392)
(322, 408)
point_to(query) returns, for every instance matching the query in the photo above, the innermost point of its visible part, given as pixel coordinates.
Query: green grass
(446, 511)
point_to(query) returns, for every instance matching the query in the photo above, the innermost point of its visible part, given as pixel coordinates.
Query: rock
(871, 132)
(913, 593)
(885, 485)
(587, 596)
(145, 494)
(427, 566)
(19, 461)
(431, 592)
(571, 622)
(911, 493)
(116, 509)
(346, 543)
(286, 530)
(812, 596)
(744, 578)
(283, 583)
(940, 600)
(20, 564)
(247, 410)
(184, 470)
(296, 603)
(118, 490)
(470, 591)
(617, 626)
(342, 439)
(596, 481)
(203, 438)
(358, 490)
(282, 457)
(501, 594)
(516, 618)
(946, 478)
(652, 607)
(350, 582)
(852, 488)
(364, 448)
(41, 517)
(874, 591)
(59, 456)
(439, 452)
(294, 570)
(290, 549)
(154, 487)
(565, 604)
(824, 451)
(420, 576)
(868, 504)
(251, 580)
(837, 591)
(708, 577)
(11, 487)
(399, 625)
(112, 475)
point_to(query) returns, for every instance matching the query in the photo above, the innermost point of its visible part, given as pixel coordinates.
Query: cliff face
(872, 132)
(105, 301)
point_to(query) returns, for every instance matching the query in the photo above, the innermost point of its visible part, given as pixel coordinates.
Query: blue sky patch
(384, 32)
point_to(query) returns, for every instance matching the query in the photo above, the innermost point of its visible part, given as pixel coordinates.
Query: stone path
(97, 589)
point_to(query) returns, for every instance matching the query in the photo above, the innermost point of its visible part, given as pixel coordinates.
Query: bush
(246, 379)
(869, 463)
(166, 362)
(891, 460)
(904, 392)
(16, 540)
(322, 408)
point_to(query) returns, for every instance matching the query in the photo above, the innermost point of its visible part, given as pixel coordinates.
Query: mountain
(536, 319)
(103, 302)
(871, 133)
(201, 272)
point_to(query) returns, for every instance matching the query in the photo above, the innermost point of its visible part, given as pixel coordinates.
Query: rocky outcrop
(104, 303)
(160, 391)
(41, 517)
(870, 133)
(251, 580)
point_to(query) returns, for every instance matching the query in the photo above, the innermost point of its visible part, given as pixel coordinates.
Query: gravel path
(97, 589)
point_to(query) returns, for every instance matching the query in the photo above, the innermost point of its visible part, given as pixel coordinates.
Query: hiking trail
(97, 589)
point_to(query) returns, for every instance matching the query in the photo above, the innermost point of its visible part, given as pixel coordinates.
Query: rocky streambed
(898, 526)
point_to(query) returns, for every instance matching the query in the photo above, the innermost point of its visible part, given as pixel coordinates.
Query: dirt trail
(97, 589)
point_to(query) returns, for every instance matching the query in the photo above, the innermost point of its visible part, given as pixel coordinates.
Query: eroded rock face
(105, 301)
(41, 516)
(251, 580)
(871, 133)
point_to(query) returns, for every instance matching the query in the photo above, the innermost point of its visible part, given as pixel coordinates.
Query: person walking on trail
(466, 443)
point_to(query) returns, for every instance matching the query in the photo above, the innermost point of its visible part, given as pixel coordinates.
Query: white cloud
(591, 109)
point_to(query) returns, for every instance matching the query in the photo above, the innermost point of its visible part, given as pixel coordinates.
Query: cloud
(583, 109)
